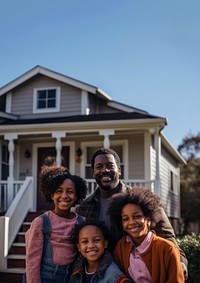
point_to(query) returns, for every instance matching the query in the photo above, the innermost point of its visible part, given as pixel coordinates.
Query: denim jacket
(108, 271)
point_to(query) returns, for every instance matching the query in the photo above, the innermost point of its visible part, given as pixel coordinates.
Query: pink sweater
(63, 251)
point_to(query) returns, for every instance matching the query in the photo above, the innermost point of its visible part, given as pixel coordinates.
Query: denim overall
(51, 273)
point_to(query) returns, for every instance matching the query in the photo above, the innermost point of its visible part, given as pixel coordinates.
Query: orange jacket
(162, 259)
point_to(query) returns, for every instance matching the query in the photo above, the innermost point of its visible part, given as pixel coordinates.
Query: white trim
(84, 103)
(46, 110)
(123, 143)
(8, 102)
(8, 116)
(147, 156)
(172, 150)
(62, 78)
(35, 163)
(125, 108)
(176, 182)
(141, 124)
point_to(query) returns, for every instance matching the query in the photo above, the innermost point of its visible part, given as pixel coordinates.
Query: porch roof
(86, 118)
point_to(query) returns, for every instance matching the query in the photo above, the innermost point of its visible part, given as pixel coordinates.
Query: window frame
(46, 110)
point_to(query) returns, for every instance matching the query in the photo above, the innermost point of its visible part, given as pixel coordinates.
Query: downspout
(157, 146)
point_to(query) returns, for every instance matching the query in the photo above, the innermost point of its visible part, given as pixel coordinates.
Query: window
(46, 100)
(90, 152)
(173, 182)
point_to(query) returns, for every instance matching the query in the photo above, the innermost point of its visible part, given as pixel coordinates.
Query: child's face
(134, 222)
(91, 243)
(64, 197)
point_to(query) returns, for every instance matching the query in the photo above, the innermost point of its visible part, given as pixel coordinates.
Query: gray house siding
(136, 156)
(22, 99)
(169, 197)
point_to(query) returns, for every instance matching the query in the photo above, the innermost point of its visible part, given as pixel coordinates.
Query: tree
(190, 180)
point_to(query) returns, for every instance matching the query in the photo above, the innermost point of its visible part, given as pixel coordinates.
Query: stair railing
(11, 222)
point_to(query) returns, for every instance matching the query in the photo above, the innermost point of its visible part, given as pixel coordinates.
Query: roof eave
(171, 149)
(54, 75)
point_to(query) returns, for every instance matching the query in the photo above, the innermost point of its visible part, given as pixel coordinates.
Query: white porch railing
(11, 222)
(92, 185)
(4, 193)
(91, 188)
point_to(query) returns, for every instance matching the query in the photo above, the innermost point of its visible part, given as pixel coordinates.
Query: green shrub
(190, 244)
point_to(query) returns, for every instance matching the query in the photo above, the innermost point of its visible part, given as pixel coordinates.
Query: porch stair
(16, 260)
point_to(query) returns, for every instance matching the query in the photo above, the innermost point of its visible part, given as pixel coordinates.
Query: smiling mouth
(134, 229)
(106, 178)
(93, 252)
(64, 202)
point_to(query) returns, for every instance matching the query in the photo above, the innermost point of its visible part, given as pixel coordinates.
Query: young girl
(94, 264)
(141, 254)
(49, 248)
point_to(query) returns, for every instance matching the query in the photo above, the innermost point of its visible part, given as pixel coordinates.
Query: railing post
(4, 224)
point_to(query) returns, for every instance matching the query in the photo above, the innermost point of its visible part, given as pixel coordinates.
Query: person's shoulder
(116, 275)
(162, 242)
(37, 221)
(91, 197)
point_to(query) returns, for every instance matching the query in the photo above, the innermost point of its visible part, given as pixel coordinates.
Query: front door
(47, 156)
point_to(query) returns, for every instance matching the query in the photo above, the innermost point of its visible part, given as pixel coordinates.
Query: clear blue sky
(143, 53)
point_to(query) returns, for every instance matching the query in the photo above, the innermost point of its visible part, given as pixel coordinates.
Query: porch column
(106, 134)
(58, 136)
(11, 148)
(157, 145)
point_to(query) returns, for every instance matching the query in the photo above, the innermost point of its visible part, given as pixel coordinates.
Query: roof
(57, 76)
(85, 118)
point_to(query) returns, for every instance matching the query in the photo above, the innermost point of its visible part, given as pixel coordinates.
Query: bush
(190, 244)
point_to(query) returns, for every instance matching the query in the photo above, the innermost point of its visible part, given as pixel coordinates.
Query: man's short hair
(104, 150)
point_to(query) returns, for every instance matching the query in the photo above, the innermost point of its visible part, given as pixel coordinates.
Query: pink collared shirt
(137, 268)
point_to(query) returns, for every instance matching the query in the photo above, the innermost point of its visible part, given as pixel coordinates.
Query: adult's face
(106, 172)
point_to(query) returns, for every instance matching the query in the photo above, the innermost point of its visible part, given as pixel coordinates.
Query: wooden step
(18, 248)
(16, 261)
(11, 275)
(20, 238)
(25, 226)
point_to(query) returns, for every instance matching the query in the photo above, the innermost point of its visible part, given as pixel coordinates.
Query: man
(106, 171)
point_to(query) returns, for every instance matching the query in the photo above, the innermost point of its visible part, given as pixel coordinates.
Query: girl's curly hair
(90, 221)
(149, 203)
(51, 177)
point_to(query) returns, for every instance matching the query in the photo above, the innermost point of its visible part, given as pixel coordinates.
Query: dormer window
(46, 100)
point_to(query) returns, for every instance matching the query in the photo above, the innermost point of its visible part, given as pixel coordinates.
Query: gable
(23, 97)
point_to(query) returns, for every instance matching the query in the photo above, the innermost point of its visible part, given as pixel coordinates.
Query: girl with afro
(140, 253)
(49, 247)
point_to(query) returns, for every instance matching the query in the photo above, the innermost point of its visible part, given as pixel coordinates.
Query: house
(48, 117)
